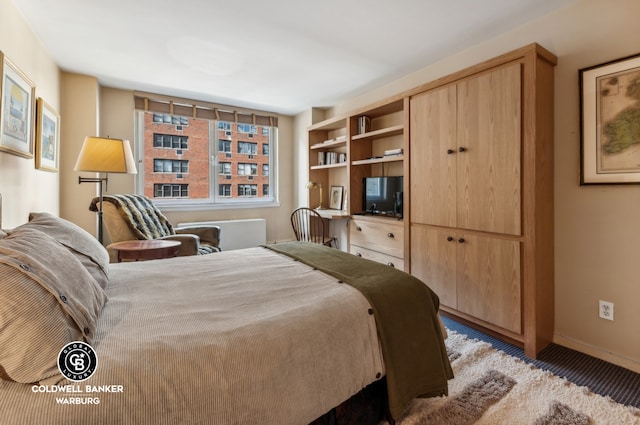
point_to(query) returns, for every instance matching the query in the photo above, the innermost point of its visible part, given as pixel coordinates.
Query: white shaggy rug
(491, 388)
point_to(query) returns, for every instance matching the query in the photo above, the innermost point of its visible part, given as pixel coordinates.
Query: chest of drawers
(378, 239)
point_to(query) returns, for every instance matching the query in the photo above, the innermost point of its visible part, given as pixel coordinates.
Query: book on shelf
(364, 124)
(393, 152)
(330, 158)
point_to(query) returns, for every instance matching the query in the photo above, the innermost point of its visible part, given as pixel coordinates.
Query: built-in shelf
(322, 167)
(330, 124)
(383, 132)
(332, 143)
(392, 158)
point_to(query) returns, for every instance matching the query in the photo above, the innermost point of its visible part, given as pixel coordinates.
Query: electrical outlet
(606, 310)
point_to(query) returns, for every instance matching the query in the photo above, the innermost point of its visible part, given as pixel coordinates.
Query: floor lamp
(103, 155)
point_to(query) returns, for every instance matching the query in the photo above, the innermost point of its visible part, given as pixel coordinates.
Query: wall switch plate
(606, 310)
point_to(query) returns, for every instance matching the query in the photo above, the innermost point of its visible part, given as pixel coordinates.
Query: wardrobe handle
(450, 151)
(358, 254)
(359, 229)
(461, 149)
(449, 238)
(461, 240)
(390, 235)
(391, 265)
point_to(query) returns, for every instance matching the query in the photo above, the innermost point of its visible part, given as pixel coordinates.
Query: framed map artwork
(610, 130)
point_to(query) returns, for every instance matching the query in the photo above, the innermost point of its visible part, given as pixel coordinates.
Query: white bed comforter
(237, 337)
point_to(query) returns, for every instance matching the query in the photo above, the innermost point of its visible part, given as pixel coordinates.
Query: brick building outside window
(199, 159)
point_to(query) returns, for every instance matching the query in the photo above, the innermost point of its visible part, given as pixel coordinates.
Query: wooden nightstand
(145, 249)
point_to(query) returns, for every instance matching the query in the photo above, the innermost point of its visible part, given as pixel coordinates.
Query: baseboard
(597, 352)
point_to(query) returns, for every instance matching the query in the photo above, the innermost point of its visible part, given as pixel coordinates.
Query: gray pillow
(84, 246)
(48, 300)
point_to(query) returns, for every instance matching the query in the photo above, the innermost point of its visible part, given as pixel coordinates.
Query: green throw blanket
(406, 313)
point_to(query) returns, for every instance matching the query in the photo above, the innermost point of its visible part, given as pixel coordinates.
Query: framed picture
(610, 122)
(335, 197)
(47, 136)
(16, 110)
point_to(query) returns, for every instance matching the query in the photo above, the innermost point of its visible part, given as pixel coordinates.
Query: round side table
(145, 249)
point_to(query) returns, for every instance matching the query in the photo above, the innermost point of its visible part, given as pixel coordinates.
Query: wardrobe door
(433, 160)
(489, 151)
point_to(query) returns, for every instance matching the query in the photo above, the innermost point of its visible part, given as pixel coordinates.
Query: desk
(338, 221)
(145, 249)
(333, 214)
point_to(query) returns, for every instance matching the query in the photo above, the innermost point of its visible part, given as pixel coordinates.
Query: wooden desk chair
(308, 226)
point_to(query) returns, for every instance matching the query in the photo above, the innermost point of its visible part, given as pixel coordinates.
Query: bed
(279, 334)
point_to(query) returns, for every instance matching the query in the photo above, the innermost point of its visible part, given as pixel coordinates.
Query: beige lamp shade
(103, 155)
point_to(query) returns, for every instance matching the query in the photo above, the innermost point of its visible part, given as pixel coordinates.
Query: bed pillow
(84, 246)
(48, 300)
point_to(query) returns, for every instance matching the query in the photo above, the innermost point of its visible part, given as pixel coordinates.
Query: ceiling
(282, 56)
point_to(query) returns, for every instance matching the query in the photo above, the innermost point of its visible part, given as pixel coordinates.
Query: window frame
(214, 201)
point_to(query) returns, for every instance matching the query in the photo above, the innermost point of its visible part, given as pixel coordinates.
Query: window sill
(173, 206)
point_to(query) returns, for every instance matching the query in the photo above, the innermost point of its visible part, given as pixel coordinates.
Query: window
(247, 129)
(170, 190)
(168, 141)
(170, 119)
(225, 168)
(247, 190)
(224, 146)
(248, 148)
(207, 162)
(224, 190)
(170, 166)
(247, 169)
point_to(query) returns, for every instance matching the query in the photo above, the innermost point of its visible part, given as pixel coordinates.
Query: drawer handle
(358, 254)
(391, 265)
(449, 238)
(390, 235)
(359, 229)
(450, 151)
(462, 149)
(461, 240)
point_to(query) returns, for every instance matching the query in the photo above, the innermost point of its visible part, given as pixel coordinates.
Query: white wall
(23, 188)
(597, 228)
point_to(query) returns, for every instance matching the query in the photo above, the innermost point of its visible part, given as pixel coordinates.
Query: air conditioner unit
(178, 176)
(228, 133)
(250, 156)
(250, 177)
(228, 177)
(228, 155)
(251, 135)
(178, 128)
(179, 152)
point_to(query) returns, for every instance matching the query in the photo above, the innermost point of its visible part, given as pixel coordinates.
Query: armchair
(131, 217)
